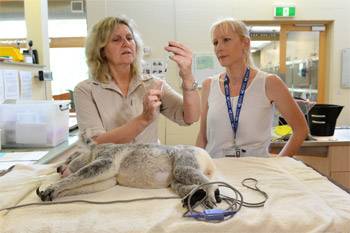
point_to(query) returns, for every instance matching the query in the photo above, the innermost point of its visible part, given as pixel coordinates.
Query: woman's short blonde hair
(98, 39)
(231, 25)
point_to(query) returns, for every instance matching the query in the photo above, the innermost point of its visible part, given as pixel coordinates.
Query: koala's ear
(198, 196)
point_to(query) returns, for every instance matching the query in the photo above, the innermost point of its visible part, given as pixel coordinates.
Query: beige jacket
(101, 107)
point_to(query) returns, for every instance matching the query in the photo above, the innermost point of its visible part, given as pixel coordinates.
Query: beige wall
(189, 21)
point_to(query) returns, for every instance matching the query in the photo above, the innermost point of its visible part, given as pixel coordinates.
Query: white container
(34, 123)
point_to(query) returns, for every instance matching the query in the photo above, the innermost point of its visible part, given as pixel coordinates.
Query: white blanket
(300, 200)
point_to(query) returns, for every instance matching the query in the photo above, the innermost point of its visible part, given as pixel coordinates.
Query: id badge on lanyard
(235, 151)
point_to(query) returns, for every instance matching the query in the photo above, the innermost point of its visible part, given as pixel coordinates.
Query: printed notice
(204, 66)
(11, 84)
(25, 79)
(2, 94)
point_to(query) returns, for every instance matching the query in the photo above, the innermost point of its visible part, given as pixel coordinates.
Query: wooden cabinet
(342, 178)
(339, 158)
(336, 163)
(319, 163)
(340, 164)
(331, 159)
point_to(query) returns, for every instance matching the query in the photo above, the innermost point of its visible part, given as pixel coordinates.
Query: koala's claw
(47, 195)
(217, 195)
(211, 198)
(196, 197)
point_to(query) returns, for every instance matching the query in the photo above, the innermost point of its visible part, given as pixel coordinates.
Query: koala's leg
(182, 189)
(78, 162)
(187, 171)
(67, 161)
(91, 188)
(60, 169)
(188, 176)
(98, 170)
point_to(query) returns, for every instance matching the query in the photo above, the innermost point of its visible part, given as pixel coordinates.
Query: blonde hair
(232, 25)
(98, 39)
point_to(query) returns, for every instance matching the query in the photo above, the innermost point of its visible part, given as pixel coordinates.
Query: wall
(189, 22)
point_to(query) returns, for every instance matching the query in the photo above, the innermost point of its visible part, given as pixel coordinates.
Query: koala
(182, 167)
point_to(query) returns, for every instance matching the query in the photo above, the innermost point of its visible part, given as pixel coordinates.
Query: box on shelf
(34, 123)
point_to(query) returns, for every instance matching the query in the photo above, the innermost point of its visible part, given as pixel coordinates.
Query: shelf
(21, 64)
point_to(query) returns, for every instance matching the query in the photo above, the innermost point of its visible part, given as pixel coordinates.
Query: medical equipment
(218, 215)
(5, 171)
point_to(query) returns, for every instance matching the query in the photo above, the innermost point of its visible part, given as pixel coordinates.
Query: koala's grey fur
(135, 165)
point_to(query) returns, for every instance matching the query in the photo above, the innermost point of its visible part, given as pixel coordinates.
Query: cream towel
(300, 200)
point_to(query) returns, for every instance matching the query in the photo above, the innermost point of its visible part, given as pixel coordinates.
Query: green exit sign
(288, 11)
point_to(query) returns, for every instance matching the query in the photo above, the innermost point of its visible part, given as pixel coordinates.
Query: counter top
(341, 137)
(53, 152)
(60, 149)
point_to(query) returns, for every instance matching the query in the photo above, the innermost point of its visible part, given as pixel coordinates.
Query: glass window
(13, 29)
(68, 65)
(68, 68)
(67, 28)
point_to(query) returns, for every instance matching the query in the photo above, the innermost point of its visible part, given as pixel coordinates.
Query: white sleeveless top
(255, 120)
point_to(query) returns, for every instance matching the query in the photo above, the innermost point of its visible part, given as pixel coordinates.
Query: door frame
(298, 25)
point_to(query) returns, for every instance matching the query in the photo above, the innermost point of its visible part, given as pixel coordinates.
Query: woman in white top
(244, 129)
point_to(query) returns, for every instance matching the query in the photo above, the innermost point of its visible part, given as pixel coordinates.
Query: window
(296, 52)
(67, 53)
(68, 68)
(13, 29)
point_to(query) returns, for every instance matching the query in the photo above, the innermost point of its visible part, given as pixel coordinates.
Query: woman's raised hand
(183, 58)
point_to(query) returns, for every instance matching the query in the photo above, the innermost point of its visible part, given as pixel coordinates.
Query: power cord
(209, 214)
(90, 202)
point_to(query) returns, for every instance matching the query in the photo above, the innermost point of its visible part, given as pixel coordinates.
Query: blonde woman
(237, 105)
(118, 104)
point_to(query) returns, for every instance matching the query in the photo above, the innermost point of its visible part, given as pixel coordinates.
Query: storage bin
(323, 118)
(34, 123)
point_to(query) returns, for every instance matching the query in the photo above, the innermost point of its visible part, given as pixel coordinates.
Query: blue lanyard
(234, 120)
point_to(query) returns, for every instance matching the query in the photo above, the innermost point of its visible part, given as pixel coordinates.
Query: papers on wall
(15, 84)
(345, 72)
(204, 66)
(11, 85)
(157, 67)
(2, 94)
(25, 78)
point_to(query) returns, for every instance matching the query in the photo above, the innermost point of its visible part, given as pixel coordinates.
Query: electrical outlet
(44, 75)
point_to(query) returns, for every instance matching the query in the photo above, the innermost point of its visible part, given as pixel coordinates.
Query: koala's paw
(213, 195)
(47, 195)
(198, 196)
